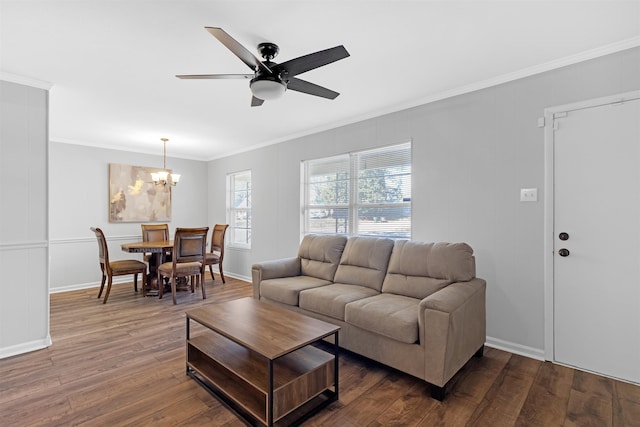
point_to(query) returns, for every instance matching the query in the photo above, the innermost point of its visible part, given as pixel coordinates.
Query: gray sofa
(414, 306)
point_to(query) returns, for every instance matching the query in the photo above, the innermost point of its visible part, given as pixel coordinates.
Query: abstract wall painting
(133, 197)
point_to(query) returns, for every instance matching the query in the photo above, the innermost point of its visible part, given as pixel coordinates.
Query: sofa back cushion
(364, 262)
(319, 255)
(418, 269)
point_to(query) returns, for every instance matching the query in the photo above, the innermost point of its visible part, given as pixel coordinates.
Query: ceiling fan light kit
(271, 80)
(267, 88)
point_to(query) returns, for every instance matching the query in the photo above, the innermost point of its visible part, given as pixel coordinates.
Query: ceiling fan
(270, 80)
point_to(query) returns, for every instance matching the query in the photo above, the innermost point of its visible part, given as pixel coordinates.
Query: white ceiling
(113, 63)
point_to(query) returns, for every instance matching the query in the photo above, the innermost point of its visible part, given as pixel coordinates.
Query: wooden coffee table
(258, 359)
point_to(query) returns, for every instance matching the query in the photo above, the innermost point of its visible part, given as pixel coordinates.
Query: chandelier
(163, 177)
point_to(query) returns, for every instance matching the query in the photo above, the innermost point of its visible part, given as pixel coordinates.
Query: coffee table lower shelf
(263, 392)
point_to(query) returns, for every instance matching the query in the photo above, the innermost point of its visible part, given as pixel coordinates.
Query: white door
(597, 268)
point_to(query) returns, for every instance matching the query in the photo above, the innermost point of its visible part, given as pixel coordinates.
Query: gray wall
(471, 154)
(79, 191)
(24, 250)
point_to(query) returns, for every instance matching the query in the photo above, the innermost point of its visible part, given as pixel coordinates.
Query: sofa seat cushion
(412, 286)
(287, 289)
(393, 316)
(330, 300)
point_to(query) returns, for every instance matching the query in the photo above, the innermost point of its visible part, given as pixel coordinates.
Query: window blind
(361, 193)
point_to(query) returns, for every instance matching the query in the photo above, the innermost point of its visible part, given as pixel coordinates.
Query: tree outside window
(363, 193)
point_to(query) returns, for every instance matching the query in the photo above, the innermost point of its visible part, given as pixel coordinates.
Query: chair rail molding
(92, 239)
(19, 246)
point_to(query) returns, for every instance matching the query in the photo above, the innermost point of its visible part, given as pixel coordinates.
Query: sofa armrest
(286, 267)
(452, 325)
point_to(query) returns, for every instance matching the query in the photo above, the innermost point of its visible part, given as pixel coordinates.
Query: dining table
(158, 249)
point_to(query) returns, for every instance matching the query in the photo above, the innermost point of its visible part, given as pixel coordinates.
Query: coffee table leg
(336, 349)
(270, 397)
(188, 336)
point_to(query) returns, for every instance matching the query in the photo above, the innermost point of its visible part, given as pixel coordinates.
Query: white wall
(79, 191)
(471, 154)
(24, 248)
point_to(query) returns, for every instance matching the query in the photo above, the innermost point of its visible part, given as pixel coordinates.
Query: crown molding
(587, 55)
(27, 81)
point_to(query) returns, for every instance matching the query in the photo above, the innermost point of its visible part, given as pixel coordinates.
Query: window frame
(354, 204)
(232, 210)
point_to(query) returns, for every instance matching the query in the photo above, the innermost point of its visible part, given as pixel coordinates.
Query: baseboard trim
(519, 349)
(123, 279)
(79, 286)
(235, 276)
(26, 347)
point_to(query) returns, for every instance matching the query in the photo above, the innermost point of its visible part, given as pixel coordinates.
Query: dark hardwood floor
(123, 364)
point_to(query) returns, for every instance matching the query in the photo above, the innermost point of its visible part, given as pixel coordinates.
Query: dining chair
(155, 233)
(216, 255)
(117, 268)
(189, 249)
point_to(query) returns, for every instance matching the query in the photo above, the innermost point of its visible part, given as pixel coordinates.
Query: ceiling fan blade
(308, 62)
(256, 102)
(304, 86)
(215, 76)
(238, 50)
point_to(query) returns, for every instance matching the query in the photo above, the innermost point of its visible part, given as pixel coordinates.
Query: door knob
(564, 252)
(563, 236)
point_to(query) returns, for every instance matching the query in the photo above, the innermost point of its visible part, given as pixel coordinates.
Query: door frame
(549, 185)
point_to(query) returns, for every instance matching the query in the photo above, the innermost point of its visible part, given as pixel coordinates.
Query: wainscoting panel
(24, 290)
(75, 265)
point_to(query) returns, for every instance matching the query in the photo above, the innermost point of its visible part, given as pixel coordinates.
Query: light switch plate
(528, 194)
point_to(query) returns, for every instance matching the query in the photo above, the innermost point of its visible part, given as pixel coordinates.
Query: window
(239, 209)
(367, 193)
